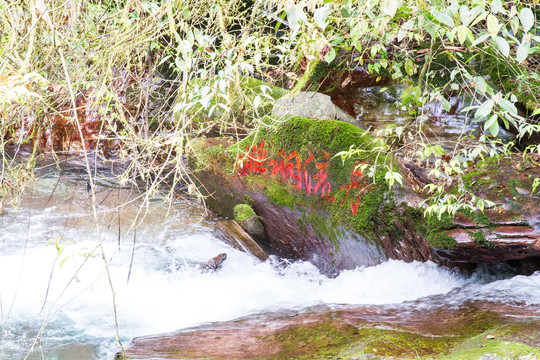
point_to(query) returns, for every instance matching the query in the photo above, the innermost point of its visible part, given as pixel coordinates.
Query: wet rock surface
(510, 231)
(230, 232)
(214, 264)
(351, 332)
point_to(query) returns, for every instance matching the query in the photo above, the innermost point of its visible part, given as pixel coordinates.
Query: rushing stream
(56, 298)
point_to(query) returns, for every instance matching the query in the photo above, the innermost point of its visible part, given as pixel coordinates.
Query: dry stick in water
(132, 255)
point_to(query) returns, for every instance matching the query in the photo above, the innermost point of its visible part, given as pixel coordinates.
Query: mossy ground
(326, 340)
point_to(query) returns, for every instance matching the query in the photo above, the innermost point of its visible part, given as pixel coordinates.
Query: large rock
(360, 332)
(314, 206)
(313, 105)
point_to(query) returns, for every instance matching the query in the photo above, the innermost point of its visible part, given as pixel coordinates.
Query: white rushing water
(69, 293)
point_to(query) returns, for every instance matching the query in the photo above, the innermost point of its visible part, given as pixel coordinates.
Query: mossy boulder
(314, 204)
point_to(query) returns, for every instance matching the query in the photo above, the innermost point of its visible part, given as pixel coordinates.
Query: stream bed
(56, 299)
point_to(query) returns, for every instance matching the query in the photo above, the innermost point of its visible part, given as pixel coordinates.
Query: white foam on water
(167, 291)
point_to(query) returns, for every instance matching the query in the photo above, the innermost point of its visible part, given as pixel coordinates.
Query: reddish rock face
(508, 232)
(361, 329)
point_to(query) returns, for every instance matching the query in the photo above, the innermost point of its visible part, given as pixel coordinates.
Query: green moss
(491, 342)
(321, 226)
(280, 194)
(319, 340)
(436, 231)
(327, 340)
(309, 137)
(478, 217)
(356, 207)
(479, 238)
(513, 184)
(310, 76)
(441, 240)
(242, 212)
(385, 343)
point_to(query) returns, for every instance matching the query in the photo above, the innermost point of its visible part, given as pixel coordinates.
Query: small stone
(249, 221)
(490, 337)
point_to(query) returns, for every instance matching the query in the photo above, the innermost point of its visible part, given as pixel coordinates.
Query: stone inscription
(312, 179)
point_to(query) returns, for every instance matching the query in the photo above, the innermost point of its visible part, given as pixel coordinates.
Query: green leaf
(443, 18)
(445, 104)
(492, 25)
(507, 106)
(331, 55)
(523, 50)
(408, 25)
(389, 7)
(481, 84)
(504, 48)
(431, 31)
(526, 17)
(480, 39)
(320, 16)
(462, 34)
(438, 150)
(401, 35)
(63, 261)
(464, 15)
(470, 35)
(484, 110)
(409, 67)
(469, 108)
(296, 17)
(482, 16)
(496, 6)
(392, 176)
(492, 125)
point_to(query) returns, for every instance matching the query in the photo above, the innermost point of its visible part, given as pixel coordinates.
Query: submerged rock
(214, 264)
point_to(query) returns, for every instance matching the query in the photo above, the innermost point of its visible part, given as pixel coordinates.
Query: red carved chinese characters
(293, 170)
